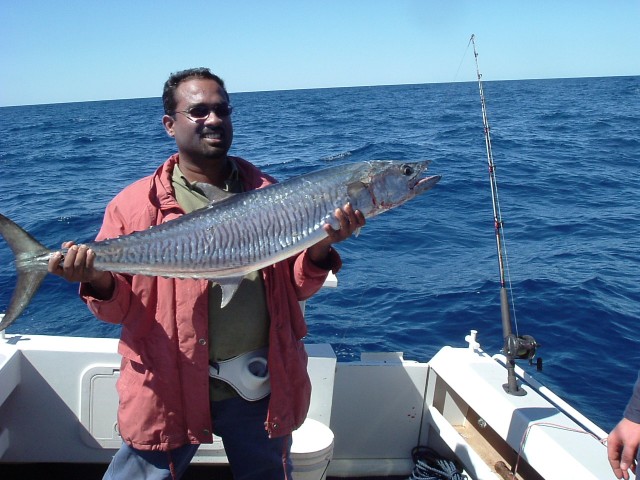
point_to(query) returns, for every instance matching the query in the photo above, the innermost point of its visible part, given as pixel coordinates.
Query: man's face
(202, 139)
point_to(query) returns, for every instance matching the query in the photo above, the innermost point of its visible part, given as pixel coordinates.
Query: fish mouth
(417, 183)
(424, 183)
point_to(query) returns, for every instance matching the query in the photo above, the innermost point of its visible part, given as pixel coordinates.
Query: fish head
(388, 184)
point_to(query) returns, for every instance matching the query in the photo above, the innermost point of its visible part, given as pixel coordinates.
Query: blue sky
(77, 50)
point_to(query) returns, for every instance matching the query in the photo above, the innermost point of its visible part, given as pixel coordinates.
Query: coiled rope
(430, 466)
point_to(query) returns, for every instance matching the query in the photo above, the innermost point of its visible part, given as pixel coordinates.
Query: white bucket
(311, 450)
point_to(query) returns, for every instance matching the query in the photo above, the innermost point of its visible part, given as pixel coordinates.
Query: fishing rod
(515, 346)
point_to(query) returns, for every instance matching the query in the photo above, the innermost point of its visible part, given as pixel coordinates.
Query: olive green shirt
(243, 325)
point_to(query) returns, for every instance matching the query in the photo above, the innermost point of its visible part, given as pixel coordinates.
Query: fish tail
(23, 246)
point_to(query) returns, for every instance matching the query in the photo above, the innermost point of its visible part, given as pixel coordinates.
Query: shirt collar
(232, 184)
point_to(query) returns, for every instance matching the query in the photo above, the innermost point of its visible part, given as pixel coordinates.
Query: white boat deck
(58, 415)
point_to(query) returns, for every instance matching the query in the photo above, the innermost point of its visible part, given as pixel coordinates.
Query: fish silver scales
(235, 236)
(248, 230)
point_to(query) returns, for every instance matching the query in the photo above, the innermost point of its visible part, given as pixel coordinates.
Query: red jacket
(164, 382)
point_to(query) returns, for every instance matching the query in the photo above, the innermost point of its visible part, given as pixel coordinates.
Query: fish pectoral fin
(354, 189)
(360, 196)
(229, 286)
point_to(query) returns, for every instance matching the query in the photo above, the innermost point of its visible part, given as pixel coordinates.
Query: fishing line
(348, 328)
(508, 272)
(352, 322)
(464, 56)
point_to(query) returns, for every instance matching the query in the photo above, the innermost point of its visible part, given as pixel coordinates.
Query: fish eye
(407, 170)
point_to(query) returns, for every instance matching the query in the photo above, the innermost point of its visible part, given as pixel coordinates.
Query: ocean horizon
(303, 89)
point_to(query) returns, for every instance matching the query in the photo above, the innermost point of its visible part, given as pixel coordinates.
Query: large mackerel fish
(237, 235)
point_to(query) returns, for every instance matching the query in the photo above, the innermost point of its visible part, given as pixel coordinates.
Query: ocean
(567, 154)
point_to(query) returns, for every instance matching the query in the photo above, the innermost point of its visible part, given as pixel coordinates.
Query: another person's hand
(622, 448)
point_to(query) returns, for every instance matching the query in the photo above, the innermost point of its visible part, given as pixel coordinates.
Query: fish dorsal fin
(229, 286)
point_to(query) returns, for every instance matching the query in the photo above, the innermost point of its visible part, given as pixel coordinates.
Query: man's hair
(175, 79)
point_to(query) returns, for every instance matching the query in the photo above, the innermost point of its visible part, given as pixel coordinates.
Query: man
(173, 329)
(623, 441)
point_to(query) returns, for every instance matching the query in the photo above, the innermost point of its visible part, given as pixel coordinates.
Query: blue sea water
(567, 153)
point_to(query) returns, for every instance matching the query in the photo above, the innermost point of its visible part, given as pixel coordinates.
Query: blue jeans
(131, 463)
(252, 454)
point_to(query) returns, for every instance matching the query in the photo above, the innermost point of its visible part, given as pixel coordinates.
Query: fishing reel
(518, 348)
(522, 347)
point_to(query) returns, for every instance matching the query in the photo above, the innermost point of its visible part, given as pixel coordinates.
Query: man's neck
(213, 171)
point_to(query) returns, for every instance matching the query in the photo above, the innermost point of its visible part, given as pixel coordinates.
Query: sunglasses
(202, 112)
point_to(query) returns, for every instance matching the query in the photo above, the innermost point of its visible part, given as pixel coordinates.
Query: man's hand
(77, 266)
(622, 448)
(350, 221)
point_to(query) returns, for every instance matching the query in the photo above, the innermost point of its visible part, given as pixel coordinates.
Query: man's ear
(168, 121)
